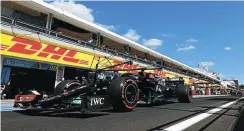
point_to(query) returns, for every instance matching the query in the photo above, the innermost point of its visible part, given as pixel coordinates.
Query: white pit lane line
(191, 121)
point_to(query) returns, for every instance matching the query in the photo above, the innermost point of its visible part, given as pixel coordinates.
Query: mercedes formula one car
(103, 91)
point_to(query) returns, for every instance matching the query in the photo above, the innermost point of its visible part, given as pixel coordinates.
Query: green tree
(241, 87)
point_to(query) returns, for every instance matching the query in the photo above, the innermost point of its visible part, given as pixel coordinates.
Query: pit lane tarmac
(211, 114)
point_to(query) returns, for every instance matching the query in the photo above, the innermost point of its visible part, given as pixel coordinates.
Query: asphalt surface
(141, 119)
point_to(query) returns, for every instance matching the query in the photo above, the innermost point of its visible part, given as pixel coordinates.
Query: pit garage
(24, 75)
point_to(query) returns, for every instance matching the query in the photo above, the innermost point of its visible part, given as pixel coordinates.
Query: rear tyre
(184, 94)
(124, 94)
(65, 86)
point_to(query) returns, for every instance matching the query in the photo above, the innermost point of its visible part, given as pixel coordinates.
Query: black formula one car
(104, 91)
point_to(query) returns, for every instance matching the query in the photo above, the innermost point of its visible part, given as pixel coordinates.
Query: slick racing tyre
(123, 93)
(184, 94)
(66, 86)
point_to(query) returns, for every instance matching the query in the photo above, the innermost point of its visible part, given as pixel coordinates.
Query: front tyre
(123, 93)
(66, 86)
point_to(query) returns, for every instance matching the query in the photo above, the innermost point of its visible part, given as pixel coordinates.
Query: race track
(221, 114)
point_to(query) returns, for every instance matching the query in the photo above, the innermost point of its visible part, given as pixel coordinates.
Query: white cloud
(182, 45)
(153, 48)
(76, 9)
(152, 43)
(186, 48)
(227, 48)
(132, 35)
(191, 40)
(166, 35)
(208, 63)
(108, 27)
(81, 11)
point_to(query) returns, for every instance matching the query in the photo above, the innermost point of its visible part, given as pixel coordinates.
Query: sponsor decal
(160, 73)
(28, 47)
(97, 101)
(27, 64)
(191, 80)
(125, 66)
(4, 47)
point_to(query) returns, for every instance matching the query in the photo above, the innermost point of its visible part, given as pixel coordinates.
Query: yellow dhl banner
(28, 49)
(54, 53)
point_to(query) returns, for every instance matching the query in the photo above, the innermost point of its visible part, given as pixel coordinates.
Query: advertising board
(53, 53)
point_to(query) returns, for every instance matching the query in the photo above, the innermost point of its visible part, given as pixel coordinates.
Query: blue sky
(190, 32)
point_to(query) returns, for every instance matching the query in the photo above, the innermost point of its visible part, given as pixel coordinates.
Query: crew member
(83, 81)
(116, 75)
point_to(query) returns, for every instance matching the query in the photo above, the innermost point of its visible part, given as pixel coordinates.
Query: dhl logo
(28, 47)
(160, 73)
(127, 66)
(191, 80)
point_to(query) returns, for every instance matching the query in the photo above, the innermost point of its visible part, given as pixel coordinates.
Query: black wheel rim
(130, 93)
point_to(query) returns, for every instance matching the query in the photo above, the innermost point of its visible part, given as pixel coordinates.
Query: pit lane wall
(30, 48)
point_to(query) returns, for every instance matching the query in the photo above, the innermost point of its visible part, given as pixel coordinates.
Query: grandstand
(37, 36)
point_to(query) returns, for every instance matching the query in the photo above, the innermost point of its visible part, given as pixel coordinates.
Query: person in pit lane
(116, 75)
(83, 81)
